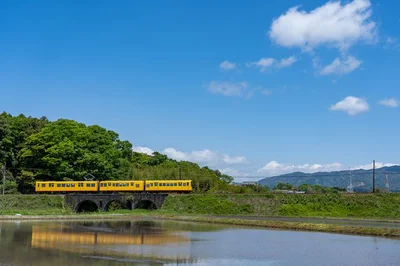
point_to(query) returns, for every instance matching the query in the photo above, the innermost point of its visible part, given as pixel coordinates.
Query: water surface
(154, 242)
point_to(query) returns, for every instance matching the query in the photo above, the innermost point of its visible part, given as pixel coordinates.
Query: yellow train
(114, 186)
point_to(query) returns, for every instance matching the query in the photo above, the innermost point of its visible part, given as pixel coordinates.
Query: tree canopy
(38, 149)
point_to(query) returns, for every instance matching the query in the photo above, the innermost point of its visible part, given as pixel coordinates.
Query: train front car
(178, 186)
(122, 186)
(66, 186)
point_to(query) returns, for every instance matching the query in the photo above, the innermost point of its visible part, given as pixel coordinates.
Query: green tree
(66, 148)
(226, 178)
(284, 186)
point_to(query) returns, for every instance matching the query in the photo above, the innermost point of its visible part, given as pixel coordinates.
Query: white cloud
(205, 156)
(234, 172)
(351, 105)
(266, 92)
(391, 42)
(330, 24)
(141, 149)
(276, 168)
(263, 64)
(266, 63)
(390, 102)
(341, 66)
(286, 62)
(227, 65)
(369, 166)
(234, 160)
(238, 89)
(228, 88)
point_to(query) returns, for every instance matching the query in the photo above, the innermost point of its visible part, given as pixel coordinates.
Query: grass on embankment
(33, 205)
(377, 206)
(329, 228)
(367, 206)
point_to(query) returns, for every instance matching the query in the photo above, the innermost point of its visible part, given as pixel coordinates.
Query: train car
(121, 186)
(168, 185)
(67, 186)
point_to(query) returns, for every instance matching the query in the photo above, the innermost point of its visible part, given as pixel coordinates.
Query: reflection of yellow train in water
(135, 246)
(52, 239)
(114, 186)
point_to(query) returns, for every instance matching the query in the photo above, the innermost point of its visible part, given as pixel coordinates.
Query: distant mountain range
(361, 179)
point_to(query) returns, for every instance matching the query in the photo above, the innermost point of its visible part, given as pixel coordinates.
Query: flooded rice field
(155, 242)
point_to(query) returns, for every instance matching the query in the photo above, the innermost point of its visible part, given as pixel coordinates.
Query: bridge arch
(87, 206)
(115, 204)
(146, 204)
(93, 202)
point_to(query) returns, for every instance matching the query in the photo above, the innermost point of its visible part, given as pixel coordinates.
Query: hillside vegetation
(37, 205)
(362, 206)
(317, 205)
(38, 149)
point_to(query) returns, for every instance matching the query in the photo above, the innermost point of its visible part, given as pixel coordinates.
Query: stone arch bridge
(102, 201)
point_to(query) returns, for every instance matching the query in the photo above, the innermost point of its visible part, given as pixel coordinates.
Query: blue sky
(251, 88)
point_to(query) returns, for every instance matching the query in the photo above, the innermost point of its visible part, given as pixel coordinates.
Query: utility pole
(4, 177)
(373, 176)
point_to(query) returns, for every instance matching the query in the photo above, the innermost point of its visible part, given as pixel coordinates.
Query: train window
(184, 184)
(58, 185)
(43, 185)
(156, 184)
(63, 185)
(180, 183)
(93, 185)
(109, 184)
(132, 184)
(87, 185)
(175, 184)
(72, 185)
(113, 184)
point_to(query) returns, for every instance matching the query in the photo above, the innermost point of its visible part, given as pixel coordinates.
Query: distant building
(284, 191)
(246, 183)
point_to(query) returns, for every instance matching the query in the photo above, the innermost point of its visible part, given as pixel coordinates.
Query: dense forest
(38, 149)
